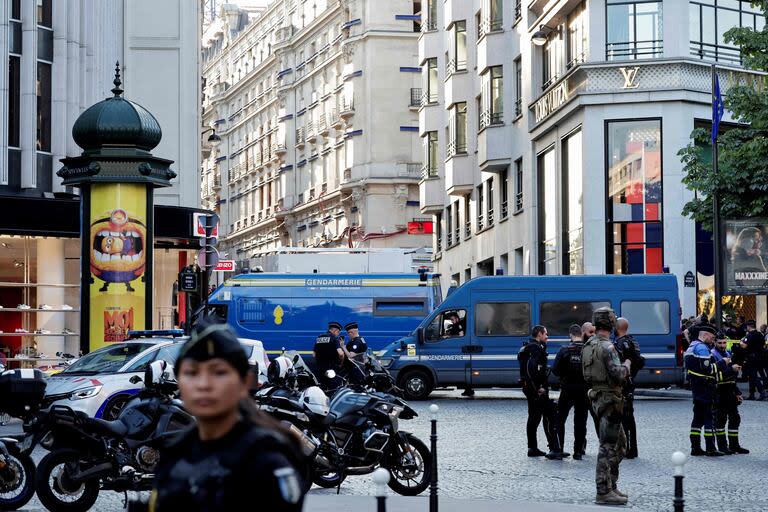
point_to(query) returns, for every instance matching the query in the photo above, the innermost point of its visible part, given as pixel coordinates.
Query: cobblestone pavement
(482, 455)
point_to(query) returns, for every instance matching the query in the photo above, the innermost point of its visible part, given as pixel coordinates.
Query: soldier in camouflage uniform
(606, 376)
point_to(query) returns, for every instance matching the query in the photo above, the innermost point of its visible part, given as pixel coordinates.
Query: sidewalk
(334, 503)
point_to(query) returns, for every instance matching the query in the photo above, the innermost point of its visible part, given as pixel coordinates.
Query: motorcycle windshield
(298, 362)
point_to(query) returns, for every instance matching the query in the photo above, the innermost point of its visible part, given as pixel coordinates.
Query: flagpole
(716, 239)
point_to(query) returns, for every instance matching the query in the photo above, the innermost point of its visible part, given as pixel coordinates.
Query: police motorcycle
(374, 376)
(353, 433)
(21, 392)
(87, 455)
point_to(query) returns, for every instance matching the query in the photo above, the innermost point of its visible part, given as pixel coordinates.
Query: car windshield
(108, 359)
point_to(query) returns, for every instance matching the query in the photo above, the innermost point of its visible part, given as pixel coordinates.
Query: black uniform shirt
(533, 363)
(568, 367)
(755, 343)
(249, 465)
(326, 351)
(357, 345)
(454, 329)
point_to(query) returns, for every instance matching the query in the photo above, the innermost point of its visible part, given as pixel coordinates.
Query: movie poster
(118, 248)
(745, 262)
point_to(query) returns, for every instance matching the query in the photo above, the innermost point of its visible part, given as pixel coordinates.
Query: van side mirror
(420, 335)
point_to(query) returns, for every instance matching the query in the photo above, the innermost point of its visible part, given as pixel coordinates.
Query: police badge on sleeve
(288, 483)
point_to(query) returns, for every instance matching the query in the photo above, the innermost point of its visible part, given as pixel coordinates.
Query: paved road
(482, 457)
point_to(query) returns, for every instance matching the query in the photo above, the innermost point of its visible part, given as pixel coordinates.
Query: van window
(448, 324)
(502, 319)
(399, 307)
(646, 317)
(557, 317)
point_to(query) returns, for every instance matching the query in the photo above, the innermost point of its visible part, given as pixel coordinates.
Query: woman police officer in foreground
(234, 458)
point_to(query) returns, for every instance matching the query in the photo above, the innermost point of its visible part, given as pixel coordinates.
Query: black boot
(734, 442)
(535, 452)
(722, 443)
(696, 450)
(711, 450)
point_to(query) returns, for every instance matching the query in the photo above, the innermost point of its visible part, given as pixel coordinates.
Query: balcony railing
(518, 201)
(449, 239)
(346, 108)
(634, 50)
(438, 243)
(456, 147)
(487, 26)
(457, 234)
(488, 118)
(454, 65)
(490, 217)
(480, 221)
(716, 52)
(429, 97)
(518, 107)
(504, 210)
(429, 170)
(430, 24)
(415, 97)
(311, 134)
(300, 137)
(468, 229)
(322, 125)
(518, 10)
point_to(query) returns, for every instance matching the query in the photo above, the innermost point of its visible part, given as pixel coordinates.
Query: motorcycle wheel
(410, 479)
(17, 480)
(328, 480)
(51, 484)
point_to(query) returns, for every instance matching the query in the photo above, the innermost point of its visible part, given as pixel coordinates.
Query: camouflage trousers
(608, 407)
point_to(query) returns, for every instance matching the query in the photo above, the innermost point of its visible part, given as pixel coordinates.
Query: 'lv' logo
(629, 74)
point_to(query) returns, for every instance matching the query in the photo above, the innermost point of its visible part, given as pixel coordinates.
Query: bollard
(381, 479)
(679, 459)
(433, 445)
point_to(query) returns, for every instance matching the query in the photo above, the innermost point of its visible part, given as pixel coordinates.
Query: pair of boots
(554, 453)
(709, 440)
(614, 497)
(732, 448)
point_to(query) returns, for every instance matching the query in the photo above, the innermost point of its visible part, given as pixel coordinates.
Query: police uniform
(455, 329)
(573, 394)
(606, 377)
(727, 406)
(628, 348)
(327, 358)
(753, 368)
(248, 464)
(356, 345)
(533, 374)
(701, 368)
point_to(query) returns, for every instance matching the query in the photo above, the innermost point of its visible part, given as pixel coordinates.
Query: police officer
(455, 328)
(329, 355)
(727, 400)
(573, 391)
(356, 348)
(533, 374)
(702, 368)
(606, 376)
(232, 453)
(629, 349)
(754, 343)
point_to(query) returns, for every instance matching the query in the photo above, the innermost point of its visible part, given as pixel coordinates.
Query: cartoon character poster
(118, 257)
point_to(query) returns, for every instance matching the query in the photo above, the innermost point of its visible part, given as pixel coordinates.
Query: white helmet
(278, 368)
(316, 401)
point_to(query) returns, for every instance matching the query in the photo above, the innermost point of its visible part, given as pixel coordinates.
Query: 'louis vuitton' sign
(551, 101)
(630, 77)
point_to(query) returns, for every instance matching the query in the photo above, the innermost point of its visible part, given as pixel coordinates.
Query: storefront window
(634, 30)
(711, 19)
(548, 207)
(573, 238)
(635, 234)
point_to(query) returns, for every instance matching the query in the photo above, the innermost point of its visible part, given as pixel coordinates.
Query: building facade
(551, 131)
(60, 59)
(316, 106)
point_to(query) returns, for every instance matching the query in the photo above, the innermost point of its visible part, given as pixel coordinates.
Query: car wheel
(115, 406)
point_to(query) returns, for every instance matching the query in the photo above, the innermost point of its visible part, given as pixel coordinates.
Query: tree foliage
(742, 179)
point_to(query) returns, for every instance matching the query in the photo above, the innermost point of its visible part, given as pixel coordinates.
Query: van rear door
(501, 324)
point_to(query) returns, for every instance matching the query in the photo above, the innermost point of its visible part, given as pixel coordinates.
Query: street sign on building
(225, 266)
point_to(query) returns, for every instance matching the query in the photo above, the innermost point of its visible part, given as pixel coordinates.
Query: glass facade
(547, 172)
(634, 29)
(711, 19)
(573, 238)
(634, 211)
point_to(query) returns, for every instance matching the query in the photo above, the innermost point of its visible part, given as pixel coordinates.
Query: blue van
(473, 337)
(291, 310)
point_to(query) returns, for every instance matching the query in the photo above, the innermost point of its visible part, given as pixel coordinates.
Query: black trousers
(703, 416)
(541, 409)
(727, 412)
(629, 424)
(754, 371)
(576, 398)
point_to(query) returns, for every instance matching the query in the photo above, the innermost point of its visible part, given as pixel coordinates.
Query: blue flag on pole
(717, 109)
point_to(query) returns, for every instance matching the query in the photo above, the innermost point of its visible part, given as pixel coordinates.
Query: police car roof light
(155, 332)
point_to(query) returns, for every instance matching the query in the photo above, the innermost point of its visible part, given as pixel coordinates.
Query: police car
(98, 383)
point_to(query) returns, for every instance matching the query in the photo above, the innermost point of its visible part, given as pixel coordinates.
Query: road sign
(188, 281)
(207, 257)
(198, 224)
(225, 266)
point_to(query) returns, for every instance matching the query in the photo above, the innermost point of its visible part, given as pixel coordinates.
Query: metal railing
(431, 23)
(300, 136)
(490, 217)
(518, 201)
(468, 229)
(456, 234)
(488, 118)
(429, 170)
(720, 53)
(449, 239)
(634, 49)
(480, 222)
(518, 10)
(518, 107)
(346, 107)
(429, 97)
(454, 65)
(504, 210)
(438, 243)
(456, 147)
(415, 97)
(487, 26)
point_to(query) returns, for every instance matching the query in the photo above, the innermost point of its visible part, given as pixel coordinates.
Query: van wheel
(416, 384)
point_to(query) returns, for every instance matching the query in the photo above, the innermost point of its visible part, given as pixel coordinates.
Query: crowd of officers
(596, 379)
(331, 353)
